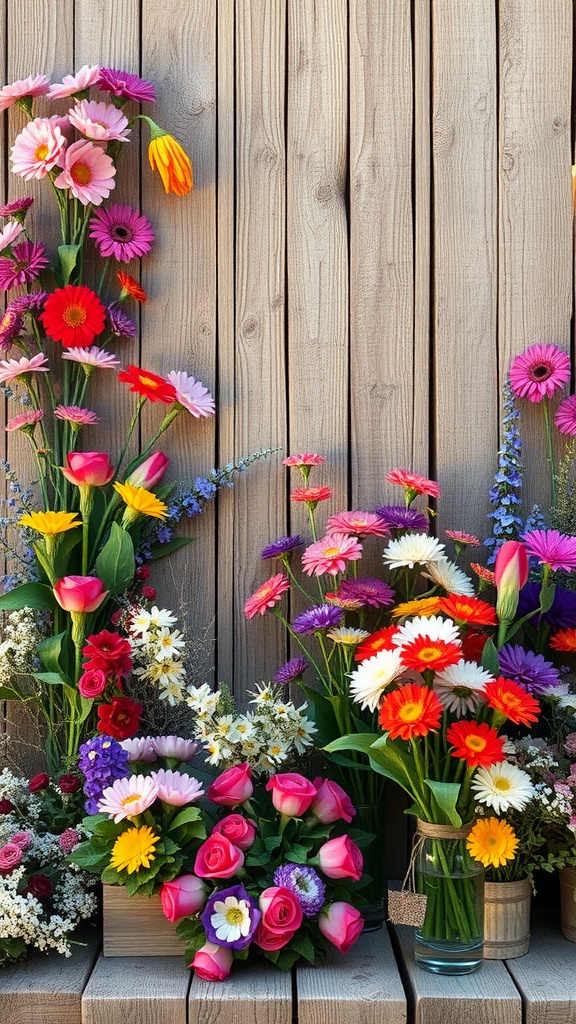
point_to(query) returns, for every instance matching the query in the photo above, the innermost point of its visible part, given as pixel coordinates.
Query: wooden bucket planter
(506, 919)
(568, 903)
(136, 926)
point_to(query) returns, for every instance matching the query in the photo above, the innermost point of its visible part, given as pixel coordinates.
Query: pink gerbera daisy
(34, 85)
(25, 420)
(100, 122)
(88, 172)
(11, 369)
(552, 548)
(76, 415)
(127, 797)
(9, 234)
(37, 149)
(176, 788)
(413, 483)
(331, 554)
(24, 266)
(538, 372)
(361, 524)
(267, 596)
(92, 357)
(565, 418)
(121, 232)
(72, 84)
(192, 394)
(462, 538)
(311, 495)
(304, 460)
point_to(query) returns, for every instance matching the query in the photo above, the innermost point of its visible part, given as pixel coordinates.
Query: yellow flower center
(234, 915)
(81, 174)
(148, 382)
(475, 742)
(74, 316)
(41, 152)
(330, 552)
(130, 799)
(410, 711)
(502, 784)
(429, 653)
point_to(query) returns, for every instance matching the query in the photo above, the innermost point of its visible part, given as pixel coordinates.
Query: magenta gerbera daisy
(565, 418)
(122, 83)
(17, 207)
(331, 554)
(538, 372)
(361, 524)
(37, 149)
(367, 592)
(24, 266)
(121, 232)
(552, 548)
(87, 171)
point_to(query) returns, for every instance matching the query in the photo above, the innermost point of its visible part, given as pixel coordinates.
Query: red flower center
(74, 316)
(81, 174)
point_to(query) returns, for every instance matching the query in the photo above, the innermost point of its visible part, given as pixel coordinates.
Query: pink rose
(292, 794)
(341, 858)
(232, 787)
(92, 683)
(218, 858)
(281, 917)
(182, 896)
(21, 839)
(79, 593)
(212, 963)
(10, 857)
(331, 802)
(269, 939)
(88, 469)
(341, 924)
(149, 472)
(239, 830)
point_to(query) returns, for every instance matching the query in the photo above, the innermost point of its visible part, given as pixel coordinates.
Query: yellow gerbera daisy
(140, 502)
(424, 606)
(492, 842)
(50, 523)
(134, 849)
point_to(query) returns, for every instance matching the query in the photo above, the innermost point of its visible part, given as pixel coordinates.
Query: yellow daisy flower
(166, 156)
(140, 502)
(420, 606)
(134, 849)
(492, 842)
(50, 523)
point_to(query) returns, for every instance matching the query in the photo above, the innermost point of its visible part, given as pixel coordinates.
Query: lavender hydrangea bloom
(291, 670)
(101, 760)
(305, 883)
(213, 917)
(527, 668)
(400, 518)
(282, 546)
(323, 616)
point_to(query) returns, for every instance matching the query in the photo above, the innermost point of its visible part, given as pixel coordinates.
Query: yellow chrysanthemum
(134, 849)
(492, 842)
(50, 523)
(140, 502)
(166, 156)
(424, 606)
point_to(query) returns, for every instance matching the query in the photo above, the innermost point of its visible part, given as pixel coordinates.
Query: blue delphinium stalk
(505, 492)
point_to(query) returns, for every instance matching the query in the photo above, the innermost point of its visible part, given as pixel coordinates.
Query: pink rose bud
(92, 683)
(232, 787)
(341, 858)
(182, 896)
(510, 574)
(240, 831)
(88, 469)
(292, 794)
(212, 963)
(218, 858)
(149, 472)
(341, 924)
(79, 593)
(331, 802)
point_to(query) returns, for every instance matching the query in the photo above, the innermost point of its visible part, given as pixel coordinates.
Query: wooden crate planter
(136, 926)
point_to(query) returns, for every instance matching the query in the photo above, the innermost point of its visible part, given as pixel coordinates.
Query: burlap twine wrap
(408, 906)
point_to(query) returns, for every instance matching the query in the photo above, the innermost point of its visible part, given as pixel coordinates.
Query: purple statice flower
(527, 668)
(125, 85)
(120, 323)
(282, 546)
(101, 760)
(305, 883)
(560, 615)
(291, 670)
(29, 303)
(226, 930)
(399, 518)
(322, 616)
(373, 593)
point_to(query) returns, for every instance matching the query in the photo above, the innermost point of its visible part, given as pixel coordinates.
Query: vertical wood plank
(421, 200)
(464, 139)
(387, 423)
(260, 308)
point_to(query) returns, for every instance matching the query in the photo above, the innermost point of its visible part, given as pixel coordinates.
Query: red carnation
(108, 652)
(69, 783)
(73, 315)
(120, 718)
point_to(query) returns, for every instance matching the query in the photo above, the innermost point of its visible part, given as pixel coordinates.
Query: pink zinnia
(88, 172)
(267, 596)
(413, 483)
(121, 232)
(92, 356)
(538, 372)
(99, 122)
(9, 234)
(565, 418)
(37, 149)
(331, 554)
(24, 266)
(34, 85)
(552, 548)
(25, 419)
(312, 495)
(74, 414)
(72, 84)
(192, 394)
(10, 369)
(304, 460)
(362, 524)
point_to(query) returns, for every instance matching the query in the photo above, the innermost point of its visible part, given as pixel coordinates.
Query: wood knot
(324, 193)
(250, 327)
(508, 161)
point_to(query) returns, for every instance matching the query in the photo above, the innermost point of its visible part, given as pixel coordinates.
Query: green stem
(550, 448)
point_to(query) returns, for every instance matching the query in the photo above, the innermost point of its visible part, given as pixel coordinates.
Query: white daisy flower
(170, 645)
(370, 679)
(502, 787)
(347, 636)
(447, 575)
(231, 919)
(433, 628)
(304, 734)
(460, 687)
(413, 548)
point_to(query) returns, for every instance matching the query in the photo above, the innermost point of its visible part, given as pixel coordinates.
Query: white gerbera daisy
(502, 787)
(447, 575)
(347, 636)
(433, 627)
(370, 679)
(460, 687)
(413, 548)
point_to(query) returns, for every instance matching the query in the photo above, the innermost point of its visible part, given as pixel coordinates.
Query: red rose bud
(92, 683)
(239, 830)
(69, 783)
(510, 574)
(38, 782)
(149, 472)
(39, 886)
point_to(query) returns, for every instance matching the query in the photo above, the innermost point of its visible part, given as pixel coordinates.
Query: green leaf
(66, 545)
(547, 597)
(43, 560)
(50, 678)
(67, 259)
(189, 814)
(446, 796)
(115, 564)
(490, 658)
(37, 596)
(7, 693)
(159, 550)
(57, 655)
(303, 945)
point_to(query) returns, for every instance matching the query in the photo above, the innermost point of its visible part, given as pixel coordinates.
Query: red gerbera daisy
(413, 483)
(425, 652)
(564, 640)
(410, 711)
(476, 743)
(312, 495)
(469, 609)
(130, 287)
(473, 643)
(148, 384)
(73, 315)
(512, 701)
(378, 641)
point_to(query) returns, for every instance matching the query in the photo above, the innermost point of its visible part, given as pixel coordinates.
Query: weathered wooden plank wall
(382, 217)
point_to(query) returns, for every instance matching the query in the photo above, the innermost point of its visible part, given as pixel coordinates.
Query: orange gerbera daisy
(476, 743)
(423, 606)
(130, 287)
(469, 609)
(378, 641)
(424, 652)
(564, 640)
(512, 701)
(410, 711)
(148, 384)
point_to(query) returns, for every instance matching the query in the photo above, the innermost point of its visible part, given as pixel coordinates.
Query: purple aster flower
(17, 206)
(120, 323)
(122, 83)
(101, 760)
(552, 548)
(231, 917)
(121, 232)
(29, 303)
(527, 668)
(399, 518)
(561, 614)
(323, 616)
(11, 323)
(282, 546)
(291, 670)
(26, 262)
(371, 592)
(305, 883)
